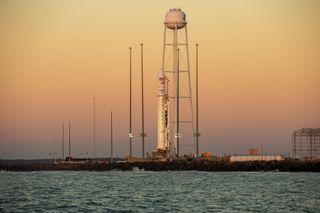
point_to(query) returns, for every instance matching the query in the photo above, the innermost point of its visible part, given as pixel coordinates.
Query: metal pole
(130, 125)
(189, 81)
(107, 135)
(94, 128)
(177, 103)
(142, 104)
(164, 47)
(111, 138)
(175, 88)
(197, 104)
(69, 140)
(294, 150)
(62, 151)
(311, 147)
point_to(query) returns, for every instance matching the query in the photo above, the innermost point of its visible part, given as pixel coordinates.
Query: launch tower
(175, 88)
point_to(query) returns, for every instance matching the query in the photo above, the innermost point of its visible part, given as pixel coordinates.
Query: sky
(259, 71)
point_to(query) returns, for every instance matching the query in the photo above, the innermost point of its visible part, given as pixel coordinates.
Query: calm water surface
(159, 192)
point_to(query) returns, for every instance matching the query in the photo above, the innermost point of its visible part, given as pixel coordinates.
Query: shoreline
(177, 165)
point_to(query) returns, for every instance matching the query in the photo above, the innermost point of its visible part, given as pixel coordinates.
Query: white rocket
(163, 112)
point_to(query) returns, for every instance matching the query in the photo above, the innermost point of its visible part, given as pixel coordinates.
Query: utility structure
(179, 112)
(178, 135)
(111, 138)
(197, 133)
(94, 130)
(62, 142)
(306, 143)
(143, 134)
(69, 140)
(130, 104)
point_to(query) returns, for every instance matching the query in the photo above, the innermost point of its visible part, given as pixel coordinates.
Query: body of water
(188, 191)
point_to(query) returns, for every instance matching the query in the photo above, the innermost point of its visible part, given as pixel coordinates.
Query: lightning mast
(130, 107)
(69, 140)
(111, 138)
(143, 134)
(197, 134)
(94, 129)
(62, 145)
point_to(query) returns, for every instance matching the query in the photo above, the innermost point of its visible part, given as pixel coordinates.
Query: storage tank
(175, 18)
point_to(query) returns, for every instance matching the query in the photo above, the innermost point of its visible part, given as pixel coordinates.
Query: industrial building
(306, 143)
(255, 155)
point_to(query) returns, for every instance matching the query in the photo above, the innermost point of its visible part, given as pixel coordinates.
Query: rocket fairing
(163, 112)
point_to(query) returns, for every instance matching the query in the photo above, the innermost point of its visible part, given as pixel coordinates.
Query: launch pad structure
(176, 135)
(306, 143)
(175, 110)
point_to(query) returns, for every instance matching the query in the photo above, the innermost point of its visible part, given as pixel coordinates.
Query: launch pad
(175, 111)
(176, 134)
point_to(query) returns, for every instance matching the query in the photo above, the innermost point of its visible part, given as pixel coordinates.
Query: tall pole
(197, 104)
(62, 150)
(130, 125)
(142, 102)
(177, 105)
(175, 86)
(111, 138)
(54, 140)
(94, 128)
(311, 147)
(69, 140)
(294, 150)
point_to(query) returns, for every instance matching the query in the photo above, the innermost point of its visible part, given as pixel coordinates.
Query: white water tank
(175, 18)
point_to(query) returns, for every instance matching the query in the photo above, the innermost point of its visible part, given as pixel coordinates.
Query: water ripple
(190, 191)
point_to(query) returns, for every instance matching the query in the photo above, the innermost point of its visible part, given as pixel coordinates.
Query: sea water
(181, 191)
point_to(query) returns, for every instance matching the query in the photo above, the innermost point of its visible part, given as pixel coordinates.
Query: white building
(242, 158)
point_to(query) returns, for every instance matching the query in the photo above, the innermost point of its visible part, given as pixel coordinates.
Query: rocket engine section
(163, 113)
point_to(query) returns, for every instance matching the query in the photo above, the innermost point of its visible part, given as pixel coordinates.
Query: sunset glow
(259, 65)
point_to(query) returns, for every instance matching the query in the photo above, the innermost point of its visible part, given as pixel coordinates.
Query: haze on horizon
(259, 72)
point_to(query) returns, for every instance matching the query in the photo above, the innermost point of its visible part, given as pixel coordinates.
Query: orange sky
(259, 72)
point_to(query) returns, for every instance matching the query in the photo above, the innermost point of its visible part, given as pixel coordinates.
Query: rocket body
(163, 112)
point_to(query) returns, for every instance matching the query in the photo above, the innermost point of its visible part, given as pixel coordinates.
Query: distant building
(306, 143)
(235, 158)
(253, 151)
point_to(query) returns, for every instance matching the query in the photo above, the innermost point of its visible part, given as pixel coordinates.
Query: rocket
(163, 113)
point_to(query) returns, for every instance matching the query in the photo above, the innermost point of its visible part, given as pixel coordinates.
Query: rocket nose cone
(161, 74)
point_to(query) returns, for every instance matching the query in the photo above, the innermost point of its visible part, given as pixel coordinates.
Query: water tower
(177, 137)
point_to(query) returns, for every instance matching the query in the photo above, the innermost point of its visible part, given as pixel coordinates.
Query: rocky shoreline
(176, 165)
